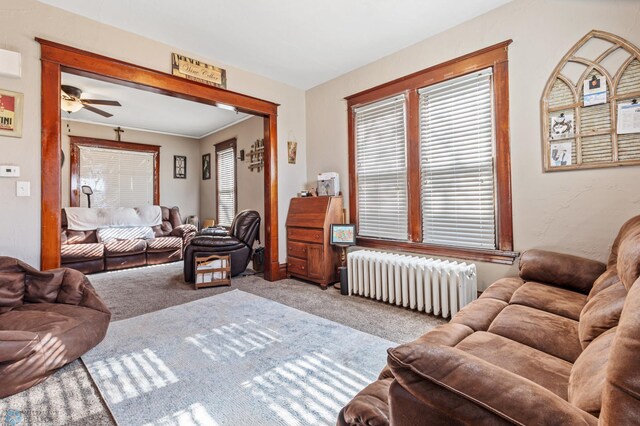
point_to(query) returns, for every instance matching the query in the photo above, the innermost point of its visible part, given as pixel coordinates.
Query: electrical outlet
(23, 189)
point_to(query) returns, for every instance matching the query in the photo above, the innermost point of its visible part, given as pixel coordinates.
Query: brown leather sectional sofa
(47, 319)
(81, 250)
(559, 345)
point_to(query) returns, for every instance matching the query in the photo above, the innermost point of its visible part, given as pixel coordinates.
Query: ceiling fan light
(70, 105)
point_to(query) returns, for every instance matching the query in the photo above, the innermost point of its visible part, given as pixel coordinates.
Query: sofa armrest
(562, 270)
(186, 232)
(476, 387)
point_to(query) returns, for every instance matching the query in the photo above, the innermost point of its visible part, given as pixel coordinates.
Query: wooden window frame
(220, 146)
(496, 57)
(76, 142)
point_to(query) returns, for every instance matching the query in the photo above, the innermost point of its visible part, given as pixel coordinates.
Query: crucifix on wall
(118, 131)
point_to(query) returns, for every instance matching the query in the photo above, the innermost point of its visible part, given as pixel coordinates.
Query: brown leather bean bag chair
(558, 345)
(47, 320)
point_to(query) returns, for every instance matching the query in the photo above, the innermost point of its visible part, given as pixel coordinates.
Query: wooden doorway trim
(56, 58)
(76, 142)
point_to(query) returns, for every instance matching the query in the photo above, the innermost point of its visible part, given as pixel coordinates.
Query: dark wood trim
(495, 56)
(230, 143)
(75, 142)
(92, 65)
(272, 269)
(282, 271)
(503, 155)
(413, 166)
(444, 71)
(56, 58)
(50, 215)
(492, 256)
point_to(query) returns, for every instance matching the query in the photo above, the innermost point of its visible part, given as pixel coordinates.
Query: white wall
(21, 21)
(577, 212)
(184, 193)
(249, 185)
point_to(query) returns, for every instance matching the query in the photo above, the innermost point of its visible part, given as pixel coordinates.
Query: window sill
(491, 256)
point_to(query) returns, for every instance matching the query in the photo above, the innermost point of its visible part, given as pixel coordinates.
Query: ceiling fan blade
(97, 111)
(100, 102)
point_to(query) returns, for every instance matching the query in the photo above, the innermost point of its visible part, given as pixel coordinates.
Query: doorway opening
(57, 58)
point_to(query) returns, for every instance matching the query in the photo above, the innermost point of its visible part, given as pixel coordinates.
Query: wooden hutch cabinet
(309, 254)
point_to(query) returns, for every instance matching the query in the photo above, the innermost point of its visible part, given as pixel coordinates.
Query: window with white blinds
(226, 182)
(118, 178)
(457, 162)
(381, 167)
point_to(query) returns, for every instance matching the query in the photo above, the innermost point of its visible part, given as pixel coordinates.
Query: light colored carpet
(69, 397)
(232, 359)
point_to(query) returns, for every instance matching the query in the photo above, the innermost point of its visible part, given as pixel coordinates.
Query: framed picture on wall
(206, 166)
(11, 113)
(179, 167)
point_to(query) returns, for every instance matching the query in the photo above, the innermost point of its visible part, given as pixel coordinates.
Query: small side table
(212, 271)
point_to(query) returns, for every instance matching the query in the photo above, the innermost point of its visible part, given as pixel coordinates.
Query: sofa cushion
(109, 234)
(480, 314)
(81, 252)
(116, 248)
(547, 332)
(502, 289)
(564, 270)
(601, 313)
(11, 290)
(555, 300)
(80, 237)
(164, 244)
(588, 374)
(546, 370)
(621, 395)
(629, 260)
(223, 243)
(606, 280)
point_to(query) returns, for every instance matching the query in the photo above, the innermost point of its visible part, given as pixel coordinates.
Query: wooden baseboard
(282, 272)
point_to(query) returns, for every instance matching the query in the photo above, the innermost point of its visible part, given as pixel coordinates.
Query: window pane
(457, 152)
(118, 178)
(381, 166)
(226, 175)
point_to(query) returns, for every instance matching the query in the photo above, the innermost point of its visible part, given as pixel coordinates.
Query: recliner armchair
(238, 244)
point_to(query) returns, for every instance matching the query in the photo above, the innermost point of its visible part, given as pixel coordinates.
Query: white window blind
(226, 176)
(381, 166)
(118, 178)
(457, 151)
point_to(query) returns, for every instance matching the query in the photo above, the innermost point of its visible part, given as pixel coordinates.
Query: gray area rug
(69, 397)
(232, 359)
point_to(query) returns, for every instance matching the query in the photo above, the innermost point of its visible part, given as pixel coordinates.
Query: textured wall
(577, 212)
(21, 21)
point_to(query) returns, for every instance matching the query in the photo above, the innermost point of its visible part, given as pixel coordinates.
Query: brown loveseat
(560, 345)
(47, 319)
(82, 251)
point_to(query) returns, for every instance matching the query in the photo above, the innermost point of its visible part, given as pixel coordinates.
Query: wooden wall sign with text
(192, 69)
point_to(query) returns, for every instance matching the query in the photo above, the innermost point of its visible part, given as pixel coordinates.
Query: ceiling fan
(72, 101)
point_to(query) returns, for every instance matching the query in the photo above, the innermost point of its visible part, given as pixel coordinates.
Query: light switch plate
(23, 188)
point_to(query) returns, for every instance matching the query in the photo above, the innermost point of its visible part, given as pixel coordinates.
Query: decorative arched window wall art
(591, 106)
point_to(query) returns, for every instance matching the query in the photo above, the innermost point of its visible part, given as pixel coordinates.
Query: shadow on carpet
(232, 359)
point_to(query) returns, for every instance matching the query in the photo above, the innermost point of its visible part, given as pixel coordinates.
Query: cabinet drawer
(306, 234)
(297, 249)
(297, 266)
